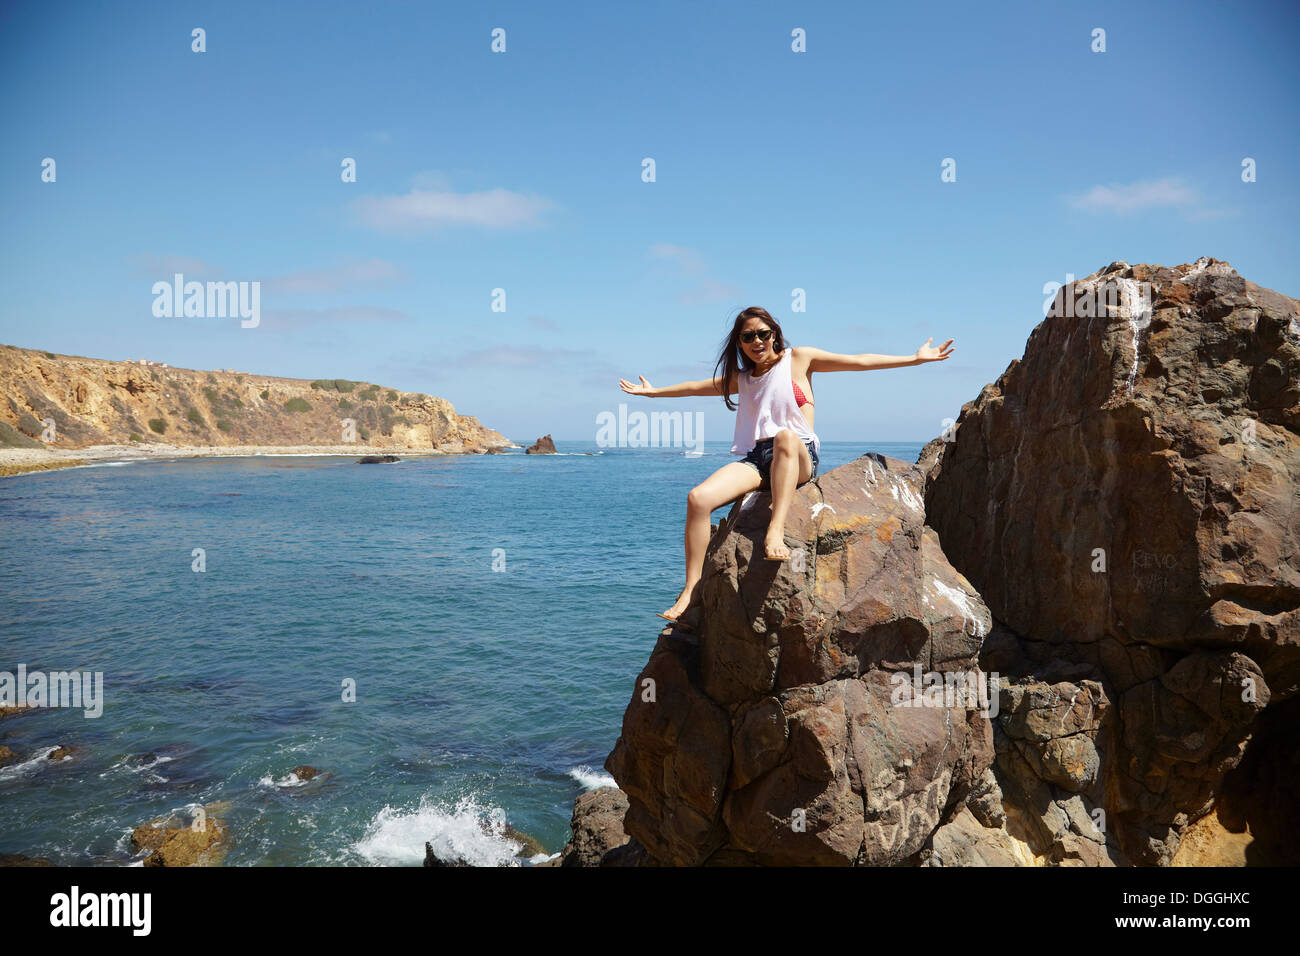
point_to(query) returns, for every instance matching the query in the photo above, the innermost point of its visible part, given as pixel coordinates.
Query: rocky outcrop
(543, 446)
(181, 842)
(1126, 499)
(99, 402)
(597, 835)
(785, 729)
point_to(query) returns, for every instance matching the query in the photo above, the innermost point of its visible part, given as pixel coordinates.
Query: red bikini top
(800, 399)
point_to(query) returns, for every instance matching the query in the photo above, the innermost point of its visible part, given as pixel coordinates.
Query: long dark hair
(733, 359)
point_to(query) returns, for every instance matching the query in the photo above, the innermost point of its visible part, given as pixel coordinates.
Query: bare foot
(679, 605)
(775, 547)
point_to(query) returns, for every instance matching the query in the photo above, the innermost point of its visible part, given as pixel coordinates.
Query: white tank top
(766, 406)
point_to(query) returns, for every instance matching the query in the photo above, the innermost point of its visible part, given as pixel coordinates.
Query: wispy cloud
(690, 264)
(424, 209)
(543, 323)
(687, 261)
(365, 272)
(1169, 193)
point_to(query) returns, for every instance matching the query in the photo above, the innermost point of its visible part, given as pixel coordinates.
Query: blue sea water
(482, 695)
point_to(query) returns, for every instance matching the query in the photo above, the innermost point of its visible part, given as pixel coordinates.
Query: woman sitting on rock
(774, 426)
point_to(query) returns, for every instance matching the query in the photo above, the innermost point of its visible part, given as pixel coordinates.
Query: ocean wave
(592, 779)
(144, 765)
(30, 765)
(467, 831)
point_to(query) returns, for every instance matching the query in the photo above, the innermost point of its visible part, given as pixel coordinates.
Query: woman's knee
(786, 440)
(697, 499)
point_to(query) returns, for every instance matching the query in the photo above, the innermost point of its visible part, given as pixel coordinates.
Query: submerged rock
(304, 772)
(17, 859)
(377, 459)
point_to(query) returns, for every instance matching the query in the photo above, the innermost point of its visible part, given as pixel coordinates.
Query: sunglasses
(762, 336)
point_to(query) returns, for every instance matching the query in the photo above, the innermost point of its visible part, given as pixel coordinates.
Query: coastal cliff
(1108, 541)
(99, 402)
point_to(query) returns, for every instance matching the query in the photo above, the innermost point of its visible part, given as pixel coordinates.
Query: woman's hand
(928, 353)
(645, 388)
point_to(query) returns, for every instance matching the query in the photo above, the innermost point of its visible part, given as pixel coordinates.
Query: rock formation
(99, 402)
(771, 734)
(181, 842)
(1121, 511)
(1126, 499)
(543, 446)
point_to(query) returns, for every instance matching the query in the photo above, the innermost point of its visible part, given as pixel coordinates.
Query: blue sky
(521, 170)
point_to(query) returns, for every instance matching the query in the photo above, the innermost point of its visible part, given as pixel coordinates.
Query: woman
(774, 427)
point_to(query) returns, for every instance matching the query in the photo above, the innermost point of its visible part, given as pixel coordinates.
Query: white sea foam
(591, 779)
(285, 783)
(30, 765)
(467, 831)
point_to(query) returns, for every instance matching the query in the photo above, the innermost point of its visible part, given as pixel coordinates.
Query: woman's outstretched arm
(822, 361)
(707, 386)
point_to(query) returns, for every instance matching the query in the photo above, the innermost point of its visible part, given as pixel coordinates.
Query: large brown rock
(1126, 499)
(772, 735)
(177, 842)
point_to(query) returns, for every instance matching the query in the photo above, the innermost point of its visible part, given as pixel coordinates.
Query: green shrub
(364, 433)
(343, 385)
(323, 383)
(134, 437)
(233, 400)
(194, 416)
(265, 394)
(211, 395)
(239, 379)
(297, 405)
(392, 396)
(158, 425)
(50, 355)
(225, 426)
(345, 405)
(11, 437)
(212, 378)
(28, 425)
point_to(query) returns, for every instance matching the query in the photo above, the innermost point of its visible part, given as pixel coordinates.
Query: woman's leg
(791, 466)
(726, 484)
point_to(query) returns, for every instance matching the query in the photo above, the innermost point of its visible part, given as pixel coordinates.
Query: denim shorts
(761, 458)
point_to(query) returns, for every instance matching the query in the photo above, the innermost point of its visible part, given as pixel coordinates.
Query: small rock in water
(304, 773)
(377, 460)
(17, 859)
(7, 756)
(180, 845)
(543, 446)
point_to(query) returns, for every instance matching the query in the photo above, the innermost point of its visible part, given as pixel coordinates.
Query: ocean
(491, 613)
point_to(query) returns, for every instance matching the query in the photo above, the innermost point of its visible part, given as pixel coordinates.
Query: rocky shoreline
(17, 461)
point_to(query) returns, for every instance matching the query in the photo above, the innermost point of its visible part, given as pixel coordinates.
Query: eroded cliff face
(1126, 499)
(99, 402)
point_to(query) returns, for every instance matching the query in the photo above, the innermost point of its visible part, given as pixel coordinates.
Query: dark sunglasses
(762, 336)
